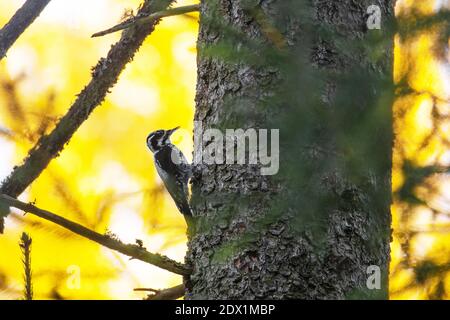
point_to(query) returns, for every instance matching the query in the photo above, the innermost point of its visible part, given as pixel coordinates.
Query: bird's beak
(169, 132)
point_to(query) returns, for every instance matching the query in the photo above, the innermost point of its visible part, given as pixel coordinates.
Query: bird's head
(159, 138)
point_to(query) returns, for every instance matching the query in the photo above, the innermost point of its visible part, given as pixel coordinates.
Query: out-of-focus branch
(6, 132)
(21, 20)
(104, 76)
(172, 293)
(132, 250)
(142, 20)
(25, 246)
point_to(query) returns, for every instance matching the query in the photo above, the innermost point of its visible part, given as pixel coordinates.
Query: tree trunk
(313, 70)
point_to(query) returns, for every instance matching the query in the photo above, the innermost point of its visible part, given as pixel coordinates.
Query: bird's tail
(184, 208)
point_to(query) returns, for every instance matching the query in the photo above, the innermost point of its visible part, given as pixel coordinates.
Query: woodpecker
(172, 167)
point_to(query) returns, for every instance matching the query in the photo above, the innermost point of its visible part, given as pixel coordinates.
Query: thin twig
(147, 289)
(132, 250)
(19, 22)
(25, 246)
(6, 132)
(104, 76)
(172, 293)
(141, 20)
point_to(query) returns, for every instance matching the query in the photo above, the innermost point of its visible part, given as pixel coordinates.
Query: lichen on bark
(312, 230)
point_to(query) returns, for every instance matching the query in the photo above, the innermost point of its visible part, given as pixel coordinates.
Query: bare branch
(104, 76)
(20, 21)
(172, 293)
(142, 20)
(132, 250)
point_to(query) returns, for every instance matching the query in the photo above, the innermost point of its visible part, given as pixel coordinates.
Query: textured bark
(311, 231)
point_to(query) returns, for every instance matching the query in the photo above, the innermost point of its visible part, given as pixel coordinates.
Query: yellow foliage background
(421, 238)
(105, 179)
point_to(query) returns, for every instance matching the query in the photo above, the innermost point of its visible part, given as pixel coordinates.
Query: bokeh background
(420, 250)
(105, 179)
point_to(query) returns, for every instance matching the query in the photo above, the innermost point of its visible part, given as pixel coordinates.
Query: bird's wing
(184, 167)
(173, 169)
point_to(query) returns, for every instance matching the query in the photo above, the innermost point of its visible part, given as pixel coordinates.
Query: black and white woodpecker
(172, 167)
